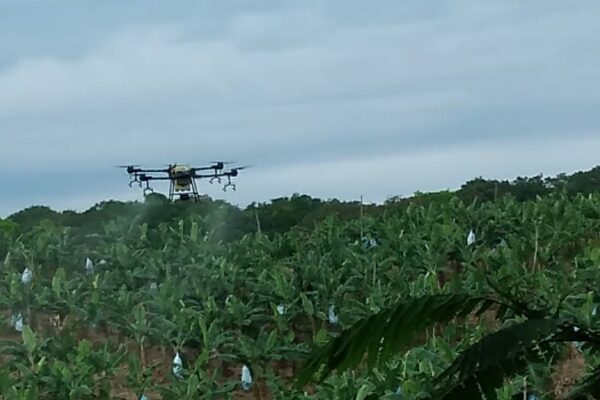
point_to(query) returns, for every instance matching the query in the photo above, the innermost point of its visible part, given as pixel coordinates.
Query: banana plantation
(449, 300)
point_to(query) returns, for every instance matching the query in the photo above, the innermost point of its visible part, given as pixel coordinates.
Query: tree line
(282, 214)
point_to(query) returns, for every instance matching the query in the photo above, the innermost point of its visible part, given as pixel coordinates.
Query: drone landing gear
(229, 184)
(147, 190)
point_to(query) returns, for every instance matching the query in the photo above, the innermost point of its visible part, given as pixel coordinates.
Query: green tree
(31, 216)
(8, 232)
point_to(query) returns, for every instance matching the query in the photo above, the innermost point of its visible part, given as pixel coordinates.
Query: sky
(336, 99)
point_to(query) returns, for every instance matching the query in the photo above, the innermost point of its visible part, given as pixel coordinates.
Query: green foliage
(484, 366)
(206, 279)
(8, 233)
(383, 334)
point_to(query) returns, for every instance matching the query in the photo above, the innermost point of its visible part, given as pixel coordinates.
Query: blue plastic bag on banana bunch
(89, 266)
(178, 366)
(17, 322)
(367, 242)
(143, 397)
(26, 276)
(281, 309)
(331, 315)
(471, 238)
(246, 378)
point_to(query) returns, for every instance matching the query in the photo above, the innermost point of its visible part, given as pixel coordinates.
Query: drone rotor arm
(154, 171)
(204, 168)
(145, 178)
(204, 176)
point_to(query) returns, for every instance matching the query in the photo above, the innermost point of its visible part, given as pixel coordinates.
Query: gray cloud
(332, 86)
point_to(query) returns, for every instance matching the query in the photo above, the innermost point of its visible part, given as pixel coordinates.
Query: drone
(182, 178)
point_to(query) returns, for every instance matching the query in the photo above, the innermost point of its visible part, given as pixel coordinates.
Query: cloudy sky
(330, 98)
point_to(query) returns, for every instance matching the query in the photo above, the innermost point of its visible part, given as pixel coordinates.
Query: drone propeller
(241, 168)
(166, 166)
(131, 169)
(234, 171)
(128, 166)
(215, 165)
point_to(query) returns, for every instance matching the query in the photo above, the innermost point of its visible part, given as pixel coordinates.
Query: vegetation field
(442, 296)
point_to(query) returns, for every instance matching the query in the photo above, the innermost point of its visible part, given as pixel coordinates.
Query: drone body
(182, 178)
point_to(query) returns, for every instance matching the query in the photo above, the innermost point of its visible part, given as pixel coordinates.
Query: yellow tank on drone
(182, 176)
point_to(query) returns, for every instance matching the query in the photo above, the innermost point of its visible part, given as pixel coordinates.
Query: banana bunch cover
(178, 366)
(471, 238)
(89, 266)
(26, 276)
(246, 378)
(331, 315)
(369, 242)
(17, 322)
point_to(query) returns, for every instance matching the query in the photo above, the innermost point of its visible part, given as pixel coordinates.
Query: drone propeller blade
(130, 169)
(242, 167)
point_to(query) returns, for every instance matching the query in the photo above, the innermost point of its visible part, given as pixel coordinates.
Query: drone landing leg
(229, 184)
(171, 190)
(147, 189)
(195, 195)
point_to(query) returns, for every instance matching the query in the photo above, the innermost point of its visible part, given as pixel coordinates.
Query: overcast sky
(330, 98)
